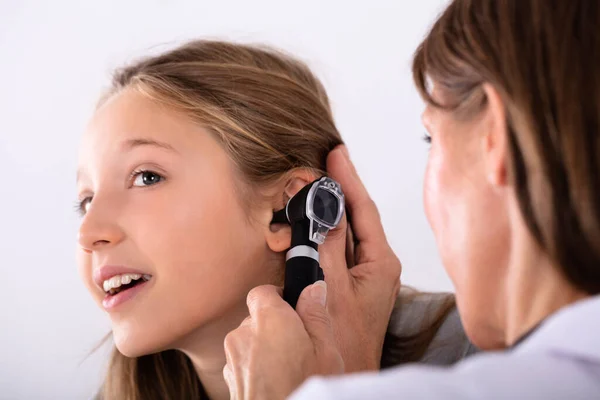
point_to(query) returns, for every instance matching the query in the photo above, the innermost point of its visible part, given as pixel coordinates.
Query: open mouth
(121, 283)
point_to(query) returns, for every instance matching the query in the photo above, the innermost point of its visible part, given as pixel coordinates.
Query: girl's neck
(205, 349)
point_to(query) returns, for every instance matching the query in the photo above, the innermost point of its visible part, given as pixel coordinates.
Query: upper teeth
(123, 279)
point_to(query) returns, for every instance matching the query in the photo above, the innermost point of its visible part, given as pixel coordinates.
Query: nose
(99, 228)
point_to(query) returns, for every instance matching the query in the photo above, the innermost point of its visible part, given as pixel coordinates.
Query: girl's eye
(81, 206)
(142, 178)
(146, 178)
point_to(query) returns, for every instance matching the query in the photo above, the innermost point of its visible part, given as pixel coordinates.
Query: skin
(486, 252)
(472, 242)
(505, 285)
(182, 223)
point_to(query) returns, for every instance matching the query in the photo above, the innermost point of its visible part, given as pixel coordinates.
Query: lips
(111, 302)
(120, 283)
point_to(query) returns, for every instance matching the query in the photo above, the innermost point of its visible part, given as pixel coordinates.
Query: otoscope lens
(325, 206)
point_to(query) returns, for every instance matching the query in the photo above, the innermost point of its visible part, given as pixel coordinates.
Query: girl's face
(163, 229)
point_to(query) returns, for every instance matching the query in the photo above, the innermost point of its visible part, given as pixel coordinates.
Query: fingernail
(319, 292)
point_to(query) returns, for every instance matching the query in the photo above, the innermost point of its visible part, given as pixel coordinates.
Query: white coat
(559, 360)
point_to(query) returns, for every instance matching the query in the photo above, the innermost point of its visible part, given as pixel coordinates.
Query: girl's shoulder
(431, 324)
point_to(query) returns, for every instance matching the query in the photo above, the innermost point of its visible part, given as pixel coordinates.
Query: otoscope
(312, 213)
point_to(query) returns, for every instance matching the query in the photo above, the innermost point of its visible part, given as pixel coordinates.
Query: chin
(132, 348)
(484, 337)
(479, 329)
(133, 343)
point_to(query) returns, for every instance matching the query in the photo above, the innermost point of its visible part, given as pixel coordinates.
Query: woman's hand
(361, 270)
(276, 348)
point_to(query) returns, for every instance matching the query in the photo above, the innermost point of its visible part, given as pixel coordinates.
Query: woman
(512, 195)
(184, 162)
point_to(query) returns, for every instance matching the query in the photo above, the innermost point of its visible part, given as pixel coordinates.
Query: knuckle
(247, 322)
(395, 267)
(254, 296)
(266, 315)
(330, 360)
(230, 341)
(372, 205)
(392, 272)
(227, 374)
(262, 295)
(260, 314)
(318, 316)
(334, 360)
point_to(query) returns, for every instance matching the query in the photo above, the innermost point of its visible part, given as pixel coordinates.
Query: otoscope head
(320, 204)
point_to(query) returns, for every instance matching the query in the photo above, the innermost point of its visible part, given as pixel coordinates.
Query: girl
(181, 167)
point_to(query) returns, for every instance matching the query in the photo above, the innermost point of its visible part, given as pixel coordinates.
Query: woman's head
(513, 95)
(180, 170)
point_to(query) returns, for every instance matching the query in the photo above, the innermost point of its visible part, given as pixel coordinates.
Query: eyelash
(427, 138)
(80, 204)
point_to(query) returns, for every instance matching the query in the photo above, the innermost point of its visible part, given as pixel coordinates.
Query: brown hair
(270, 114)
(542, 57)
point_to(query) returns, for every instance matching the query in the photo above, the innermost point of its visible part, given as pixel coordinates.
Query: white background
(56, 56)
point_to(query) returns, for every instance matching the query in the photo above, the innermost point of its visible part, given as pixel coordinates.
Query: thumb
(311, 308)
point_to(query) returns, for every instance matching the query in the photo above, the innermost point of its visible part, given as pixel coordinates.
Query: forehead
(129, 114)
(129, 119)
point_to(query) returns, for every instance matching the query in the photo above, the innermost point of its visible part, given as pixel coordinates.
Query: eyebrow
(133, 143)
(139, 142)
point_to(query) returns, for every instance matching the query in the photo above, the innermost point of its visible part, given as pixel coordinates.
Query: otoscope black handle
(300, 272)
(302, 262)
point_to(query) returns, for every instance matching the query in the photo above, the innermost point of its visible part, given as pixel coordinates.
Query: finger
(264, 296)
(229, 345)
(333, 259)
(312, 310)
(234, 345)
(230, 381)
(365, 218)
(246, 322)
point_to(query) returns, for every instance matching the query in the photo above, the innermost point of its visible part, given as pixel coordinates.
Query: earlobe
(279, 236)
(495, 142)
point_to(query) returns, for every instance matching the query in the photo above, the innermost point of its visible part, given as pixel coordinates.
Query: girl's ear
(279, 236)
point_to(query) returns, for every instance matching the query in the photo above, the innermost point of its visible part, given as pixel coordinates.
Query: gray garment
(450, 344)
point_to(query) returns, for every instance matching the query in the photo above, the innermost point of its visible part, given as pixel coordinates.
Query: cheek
(446, 199)
(471, 240)
(430, 191)
(205, 257)
(436, 190)
(208, 234)
(203, 245)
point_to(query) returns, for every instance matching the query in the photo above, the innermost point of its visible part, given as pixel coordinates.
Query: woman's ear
(279, 236)
(495, 142)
